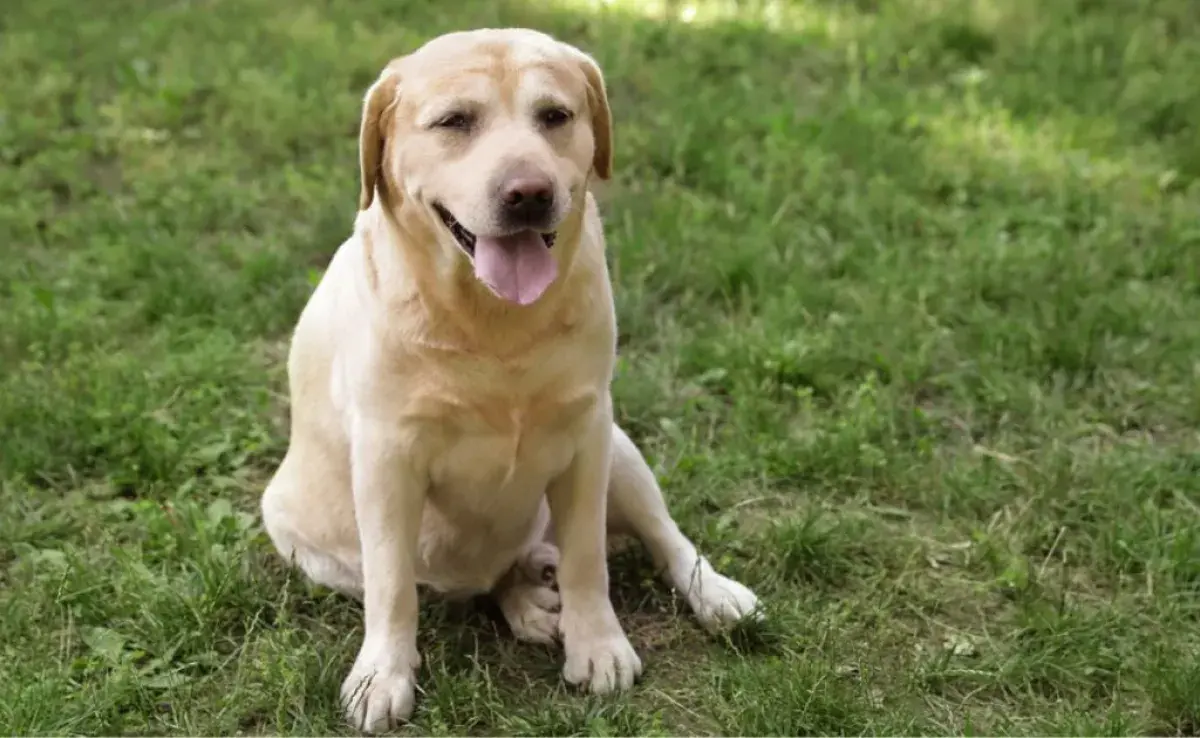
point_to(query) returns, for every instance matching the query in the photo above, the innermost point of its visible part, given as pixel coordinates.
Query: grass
(909, 297)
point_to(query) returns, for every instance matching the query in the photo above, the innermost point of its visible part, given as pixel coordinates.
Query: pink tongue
(518, 268)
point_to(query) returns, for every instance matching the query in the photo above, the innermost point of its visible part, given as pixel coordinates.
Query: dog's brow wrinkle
(549, 100)
(441, 109)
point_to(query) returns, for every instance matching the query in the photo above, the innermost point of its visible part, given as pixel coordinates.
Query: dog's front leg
(388, 499)
(598, 654)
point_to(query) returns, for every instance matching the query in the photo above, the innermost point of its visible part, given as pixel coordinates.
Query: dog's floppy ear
(376, 118)
(602, 159)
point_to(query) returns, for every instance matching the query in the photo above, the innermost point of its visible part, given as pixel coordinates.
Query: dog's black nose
(527, 200)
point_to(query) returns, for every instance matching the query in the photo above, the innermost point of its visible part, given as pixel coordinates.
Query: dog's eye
(454, 121)
(554, 117)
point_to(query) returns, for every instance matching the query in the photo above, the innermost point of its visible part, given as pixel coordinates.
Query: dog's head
(491, 136)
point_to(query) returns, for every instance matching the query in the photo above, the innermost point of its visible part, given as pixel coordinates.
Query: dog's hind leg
(313, 533)
(528, 593)
(529, 599)
(636, 506)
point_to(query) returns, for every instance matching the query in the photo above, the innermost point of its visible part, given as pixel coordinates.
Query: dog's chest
(486, 443)
(489, 465)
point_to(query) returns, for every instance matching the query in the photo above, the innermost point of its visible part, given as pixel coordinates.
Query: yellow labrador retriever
(452, 422)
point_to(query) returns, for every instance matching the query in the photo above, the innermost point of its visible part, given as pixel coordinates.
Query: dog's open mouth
(466, 239)
(516, 267)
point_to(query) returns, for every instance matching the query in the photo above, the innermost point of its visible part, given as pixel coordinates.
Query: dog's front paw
(719, 601)
(379, 693)
(602, 663)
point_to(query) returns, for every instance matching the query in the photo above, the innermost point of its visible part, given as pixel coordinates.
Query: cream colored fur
(441, 436)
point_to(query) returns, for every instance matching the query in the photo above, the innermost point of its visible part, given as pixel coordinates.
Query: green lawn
(909, 296)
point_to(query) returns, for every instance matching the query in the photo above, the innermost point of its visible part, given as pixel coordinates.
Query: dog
(451, 413)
